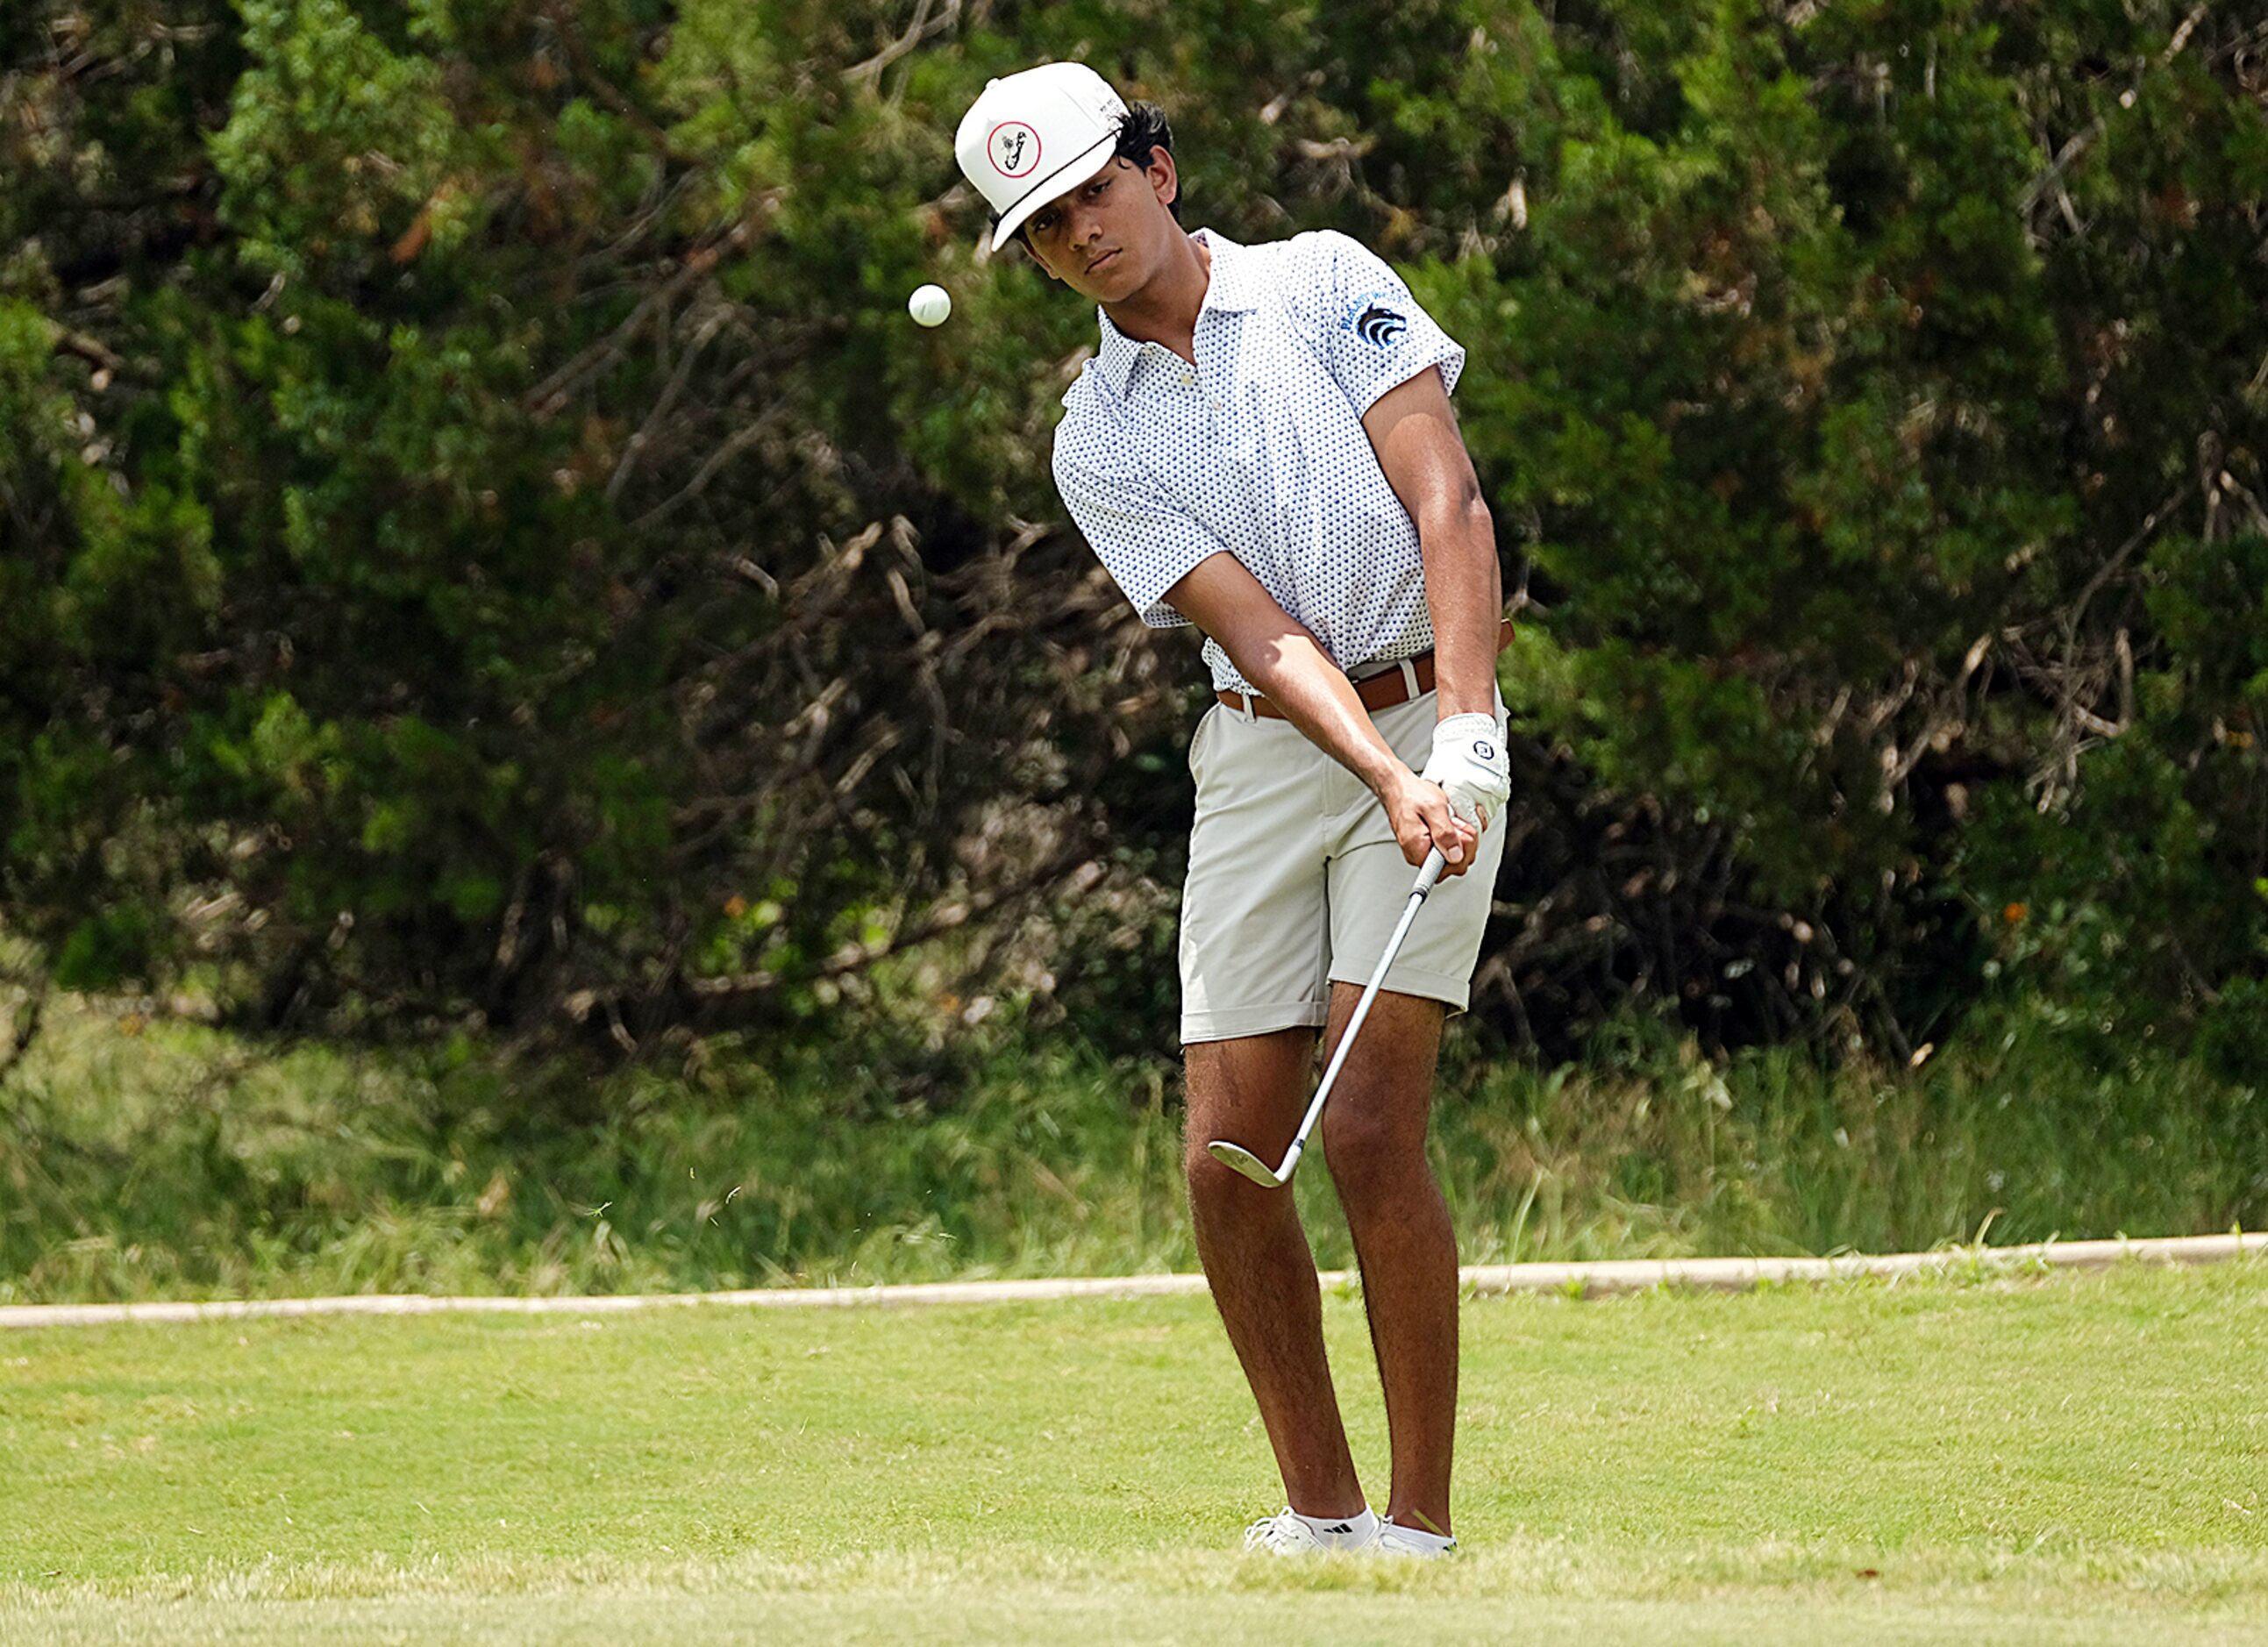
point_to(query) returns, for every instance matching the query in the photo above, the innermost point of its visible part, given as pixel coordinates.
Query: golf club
(1241, 1159)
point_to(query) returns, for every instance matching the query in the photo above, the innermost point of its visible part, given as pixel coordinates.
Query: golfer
(1263, 447)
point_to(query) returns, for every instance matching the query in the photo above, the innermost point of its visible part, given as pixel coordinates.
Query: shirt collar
(1228, 290)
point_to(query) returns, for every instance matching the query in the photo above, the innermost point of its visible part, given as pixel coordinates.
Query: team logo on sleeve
(1376, 319)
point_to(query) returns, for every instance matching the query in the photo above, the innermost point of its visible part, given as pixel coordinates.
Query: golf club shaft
(1426, 875)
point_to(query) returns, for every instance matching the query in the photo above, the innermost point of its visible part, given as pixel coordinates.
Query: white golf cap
(1033, 136)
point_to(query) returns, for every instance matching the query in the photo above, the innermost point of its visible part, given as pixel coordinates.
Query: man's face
(1105, 239)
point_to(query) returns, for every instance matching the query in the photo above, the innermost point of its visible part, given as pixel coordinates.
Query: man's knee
(1374, 1148)
(1221, 1196)
(1198, 1166)
(1250, 1089)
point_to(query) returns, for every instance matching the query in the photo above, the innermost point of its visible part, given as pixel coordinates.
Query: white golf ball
(929, 305)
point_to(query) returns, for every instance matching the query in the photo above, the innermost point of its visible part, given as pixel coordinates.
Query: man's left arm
(1413, 429)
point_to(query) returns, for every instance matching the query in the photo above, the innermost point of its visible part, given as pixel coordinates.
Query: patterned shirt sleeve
(1144, 540)
(1373, 334)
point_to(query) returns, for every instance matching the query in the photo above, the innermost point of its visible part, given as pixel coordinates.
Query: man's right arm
(1289, 666)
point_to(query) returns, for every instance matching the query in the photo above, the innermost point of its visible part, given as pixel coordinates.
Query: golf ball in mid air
(929, 305)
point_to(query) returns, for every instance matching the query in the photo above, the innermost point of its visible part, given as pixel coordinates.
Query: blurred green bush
(484, 550)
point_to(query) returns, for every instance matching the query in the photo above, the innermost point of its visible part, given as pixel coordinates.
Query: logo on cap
(1014, 149)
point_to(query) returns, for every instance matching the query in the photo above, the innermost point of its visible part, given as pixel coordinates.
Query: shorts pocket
(1197, 742)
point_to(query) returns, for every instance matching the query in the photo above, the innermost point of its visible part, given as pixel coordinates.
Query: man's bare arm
(1289, 666)
(1413, 429)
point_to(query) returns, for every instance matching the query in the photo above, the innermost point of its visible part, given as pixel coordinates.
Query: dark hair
(1142, 128)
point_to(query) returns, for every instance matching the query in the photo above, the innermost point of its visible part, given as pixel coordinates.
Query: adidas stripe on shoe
(1288, 1533)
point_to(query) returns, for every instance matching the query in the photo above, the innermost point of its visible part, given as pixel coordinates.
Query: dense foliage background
(484, 548)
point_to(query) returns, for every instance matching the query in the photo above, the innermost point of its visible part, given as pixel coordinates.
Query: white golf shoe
(1398, 1540)
(1288, 1533)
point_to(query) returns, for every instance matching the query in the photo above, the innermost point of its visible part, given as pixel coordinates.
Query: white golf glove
(1472, 766)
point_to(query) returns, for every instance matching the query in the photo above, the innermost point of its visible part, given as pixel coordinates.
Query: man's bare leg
(1374, 1139)
(1256, 1255)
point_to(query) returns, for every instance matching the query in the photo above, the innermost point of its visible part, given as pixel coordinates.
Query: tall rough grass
(148, 1160)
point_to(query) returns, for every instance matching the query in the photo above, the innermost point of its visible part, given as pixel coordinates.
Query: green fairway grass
(2063, 1459)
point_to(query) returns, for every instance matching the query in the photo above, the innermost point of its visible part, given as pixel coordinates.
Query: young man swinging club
(1263, 447)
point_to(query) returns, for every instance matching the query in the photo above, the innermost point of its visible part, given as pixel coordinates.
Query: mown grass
(149, 1160)
(2074, 1458)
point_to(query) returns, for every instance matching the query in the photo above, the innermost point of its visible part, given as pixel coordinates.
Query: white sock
(1420, 1538)
(1344, 1532)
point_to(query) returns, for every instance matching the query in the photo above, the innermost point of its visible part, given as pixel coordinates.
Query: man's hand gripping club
(1424, 818)
(1471, 771)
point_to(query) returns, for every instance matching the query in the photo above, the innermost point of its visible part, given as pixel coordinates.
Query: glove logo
(1485, 751)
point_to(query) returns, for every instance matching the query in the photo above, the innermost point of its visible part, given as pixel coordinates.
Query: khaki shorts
(1296, 881)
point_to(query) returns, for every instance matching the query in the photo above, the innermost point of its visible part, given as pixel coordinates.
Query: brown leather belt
(1377, 692)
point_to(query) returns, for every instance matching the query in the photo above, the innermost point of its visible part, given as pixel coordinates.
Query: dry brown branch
(2049, 179)
(665, 402)
(931, 17)
(2071, 617)
(739, 441)
(547, 397)
(68, 342)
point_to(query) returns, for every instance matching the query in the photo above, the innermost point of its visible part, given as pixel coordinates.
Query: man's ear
(1164, 178)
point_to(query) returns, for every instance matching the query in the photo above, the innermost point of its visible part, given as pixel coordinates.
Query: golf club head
(1238, 1158)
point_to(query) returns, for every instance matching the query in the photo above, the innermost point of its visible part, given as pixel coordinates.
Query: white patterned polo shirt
(1258, 448)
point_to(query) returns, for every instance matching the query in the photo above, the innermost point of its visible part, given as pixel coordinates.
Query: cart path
(1586, 1280)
